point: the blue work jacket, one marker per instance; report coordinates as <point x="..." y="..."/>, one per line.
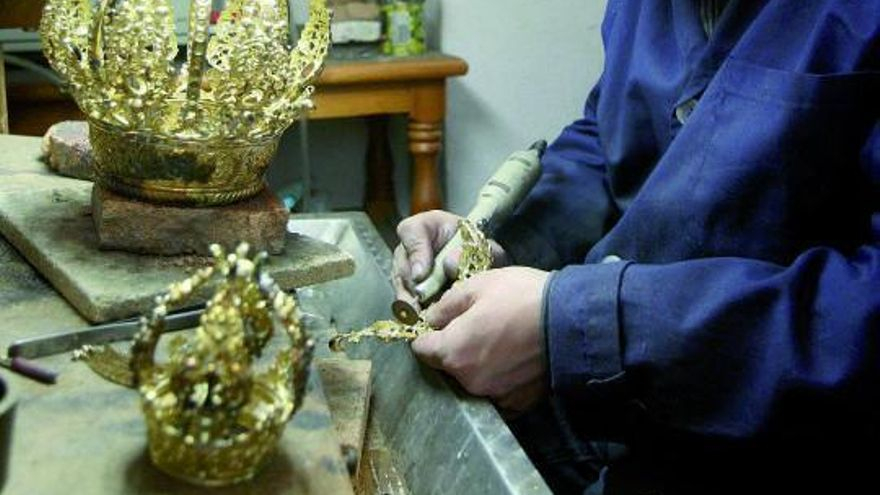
<point x="736" y="177"/>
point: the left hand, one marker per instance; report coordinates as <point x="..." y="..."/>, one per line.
<point x="491" y="339"/>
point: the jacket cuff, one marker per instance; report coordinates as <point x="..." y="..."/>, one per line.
<point x="525" y="247"/>
<point x="583" y="326"/>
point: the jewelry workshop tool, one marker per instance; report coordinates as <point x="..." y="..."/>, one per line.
<point x="496" y="201"/>
<point x="28" y="369"/>
<point x="66" y="341"/>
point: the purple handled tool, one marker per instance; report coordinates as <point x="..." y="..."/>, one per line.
<point x="29" y="369"/>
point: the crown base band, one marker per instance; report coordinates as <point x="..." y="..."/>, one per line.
<point x="158" y="169"/>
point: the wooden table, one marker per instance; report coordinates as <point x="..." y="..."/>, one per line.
<point x="376" y="87"/>
<point x="372" y="87"/>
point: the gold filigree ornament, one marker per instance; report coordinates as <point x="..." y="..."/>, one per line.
<point x="476" y="258"/>
<point x="216" y="408"/>
<point x="201" y="132"/>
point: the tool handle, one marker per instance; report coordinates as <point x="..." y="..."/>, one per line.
<point x="507" y="187"/>
<point x="33" y="370"/>
<point x="497" y="200"/>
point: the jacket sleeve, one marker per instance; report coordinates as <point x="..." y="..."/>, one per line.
<point x="571" y="206"/>
<point x="568" y="209"/>
<point x="728" y="347"/>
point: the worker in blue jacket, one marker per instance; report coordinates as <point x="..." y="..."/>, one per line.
<point x="696" y="274"/>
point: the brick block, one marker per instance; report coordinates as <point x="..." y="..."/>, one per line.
<point x="136" y="226"/>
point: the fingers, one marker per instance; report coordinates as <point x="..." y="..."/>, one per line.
<point x="453" y="303"/>
<point x="491" y="341"/>
<point x="450" y="264"/>
<point x="435" y="348"/>
<point x="430" y="349"/>
<point x="415" y="239"/>
<point x="500" y="258"/>
<point x="421" y="236"/>
<point x="401" y="279"/>
<point x="449" y="349"/>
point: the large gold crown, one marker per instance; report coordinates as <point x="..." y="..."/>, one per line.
<point x="217" y="407"/>
<point x="200" y="132"/>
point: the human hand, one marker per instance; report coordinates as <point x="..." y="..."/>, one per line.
<point x="421" y="237"/>
<point x="491" y="339"/>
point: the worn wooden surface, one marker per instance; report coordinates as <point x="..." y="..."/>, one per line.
<point x="54" y="231"/>
<point x="392" y="69"/>
<point x="347" y="387"/>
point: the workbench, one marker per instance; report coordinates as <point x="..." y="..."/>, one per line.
<point x="84" y="435"/>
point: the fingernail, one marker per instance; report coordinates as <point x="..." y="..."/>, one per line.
<point x="417" y="269"/>
<point x="430" y="316"/>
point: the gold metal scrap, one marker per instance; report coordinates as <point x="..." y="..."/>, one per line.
<point x="476" y="252"/>
<point x="476" y="257"/>
<point x="201" y="131"/>
<point x="214" y="412"/>
<point x="385" y="330"/>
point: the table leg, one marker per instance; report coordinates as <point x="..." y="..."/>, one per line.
<point x="425" y="141"/>
<point x="424" y="144"/>
<point x="379" y="194"/>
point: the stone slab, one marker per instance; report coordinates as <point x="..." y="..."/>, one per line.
<point x="21" y="155"/>
<point x="51" y="226"/>
<point x="174" y="230"/>
<point x="67" y="150"/>
<point x="347" y="387"/>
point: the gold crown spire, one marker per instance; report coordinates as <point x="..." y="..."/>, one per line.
<point x="202" y="131"/>
<point x="241" y="78"/>
<point x="215" y="410"/>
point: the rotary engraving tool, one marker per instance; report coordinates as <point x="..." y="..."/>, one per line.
<point x="496" y="201"/>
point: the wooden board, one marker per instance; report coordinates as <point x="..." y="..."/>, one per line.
<point x="347" y="387"/>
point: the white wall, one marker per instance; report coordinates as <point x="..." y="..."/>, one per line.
<point x="532" y="63"/>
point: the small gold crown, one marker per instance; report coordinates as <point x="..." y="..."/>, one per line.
<point x="198" y="133"/>
<point x="215" y="410"/>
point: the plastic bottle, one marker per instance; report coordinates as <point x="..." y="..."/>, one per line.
<point x="404" y="27"/>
